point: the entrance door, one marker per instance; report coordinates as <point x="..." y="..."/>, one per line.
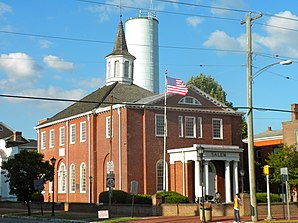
<point x="212" y="180"/>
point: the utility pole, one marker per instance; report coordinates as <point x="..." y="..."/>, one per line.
<point x="251" y="160"/>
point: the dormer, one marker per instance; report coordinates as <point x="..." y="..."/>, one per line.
<point x="119" y="63"/>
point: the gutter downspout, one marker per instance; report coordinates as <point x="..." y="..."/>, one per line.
<point x="89" y="157"/>
<point x="119" y="149"/>
<point x="67" y="165"/>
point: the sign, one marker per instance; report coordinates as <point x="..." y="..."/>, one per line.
<point x="110" y="166"/>
<point x="110" y="180"/>
<point x="284" y="171"/>
<point x="134" y="187"/>
<point x="266" y="170"/>
<point x="103" y="214"/>
<point x="38" y="185"/>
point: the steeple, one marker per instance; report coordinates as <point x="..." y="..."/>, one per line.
<point x="119" y="66"/>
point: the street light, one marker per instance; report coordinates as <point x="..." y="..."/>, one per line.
<point x="53" y="161"/>
<point x="242" y="172"/>
<point x="200" y="153"/>
<point x="250" y="137"/>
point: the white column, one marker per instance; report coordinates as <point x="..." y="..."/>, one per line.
<point x="197" y="179"/>
<point x="228" y="181"/>
<point x="235" y="177"/>
<point x="206" y="177"/>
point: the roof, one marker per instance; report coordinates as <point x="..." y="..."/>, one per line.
<point x="269" y="134"/>
<point x="120" y="46"/>
<point x="101" y="98"/>
<point x="268" y="138"/>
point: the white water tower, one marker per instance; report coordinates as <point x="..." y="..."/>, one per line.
<point x="142" y="42"/>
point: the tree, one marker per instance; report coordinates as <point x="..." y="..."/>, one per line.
<point x="22" y="170"/>
<point x="210" y="86"/>
<point x="285" y="157"/>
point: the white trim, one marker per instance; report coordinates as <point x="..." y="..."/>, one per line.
<point x="194" y="127"/>
<point x="52" y="138"/>
<point x="60" y="136"/>
<point x="43" y="140"/>
<point x="72" y="135"/>
<point x="83" y="139"/>
<point x="221" y="128"/>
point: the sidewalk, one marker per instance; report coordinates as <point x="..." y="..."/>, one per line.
<point x="78" y="217"/>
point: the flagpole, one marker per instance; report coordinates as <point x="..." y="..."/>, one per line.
<point x="165" y="136"/>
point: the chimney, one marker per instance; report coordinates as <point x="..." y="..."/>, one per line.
<point x="42" y="120"/>
<point x="294" y="109"/>
<point x="16" y="135"/>
<point x="269" y="129"/>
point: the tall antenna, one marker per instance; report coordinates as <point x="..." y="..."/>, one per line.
<point x="120" y="9"/>
<point x="150" y="9"/>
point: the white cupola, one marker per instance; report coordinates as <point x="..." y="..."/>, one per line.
<point x="119" y="63"/>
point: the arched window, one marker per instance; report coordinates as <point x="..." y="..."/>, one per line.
<point x="83" y="178"/>
<point x="72" y="180"/>
<point x="189" y="101"/>
<point x="159" y="175"/>
<point x="126" y="69"/>
<point x="62" y="179"/>
<point x="117" y="69"/>
<point x="109" y="69"/>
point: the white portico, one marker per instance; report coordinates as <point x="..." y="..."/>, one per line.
<point x="219" y="162"/>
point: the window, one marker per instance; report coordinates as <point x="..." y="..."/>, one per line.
<point x="50" y="186"/>
<point x="83" y="131"/>
<point x="259" y="156"/>
<point x="62" y="136"/>
<point x="159" y="125"/>
<point x="190" y="127"/>
<point x="43" y="140"/>
<point x="260" y="185"/>
<point x="159" y="175"/>
<point x="72" y="180"/>
<point x="180" y="126"/>
<point x="83" y="178"/>
<point x="117" y="69"/>
<point x="52" y="135"/>
<point x="189" y="101"/>
<point x="217" y="128"/>
<point x="108" y="127"/>
<point x="109" y="69"/>
<point x="126" y="68"/>
<point x="200" y="129"/>
<point x="62" y="179"/>
<point x="72" y="134"/>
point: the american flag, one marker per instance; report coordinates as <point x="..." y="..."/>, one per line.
<point x="176" y="86"/>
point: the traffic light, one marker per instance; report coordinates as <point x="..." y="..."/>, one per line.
<point x="266" y="170"/>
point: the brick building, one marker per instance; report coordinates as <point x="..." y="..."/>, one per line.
<point x="268" y="142"/>
<point x="124" y="123"/>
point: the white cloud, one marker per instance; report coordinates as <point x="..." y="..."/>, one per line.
<point x="220" y="40"/>
<point x="53" y="92"/>
<point x="57" y="63"/>
<point x="18" y="66"/>
<point x="4" y="9"/>
<point x="92" y="83"/>
<point x="105" y="12"/>
<point x="45" y="44"/>
<point x="281" y="39"/>
<point x="194" y="21"/>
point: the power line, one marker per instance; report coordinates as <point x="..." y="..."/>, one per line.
<point x="125" y="103"/>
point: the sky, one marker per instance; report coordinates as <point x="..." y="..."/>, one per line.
<point x="56" y="49"/>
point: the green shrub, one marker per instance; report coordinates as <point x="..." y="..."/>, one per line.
<point x="122" y="197"/>
<point x="140" y="199"/>
<point x="36" y="196"/>
<point x="118" y="197"/>
<point x="173" y="197"/>
<point x="262" y="197"/>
